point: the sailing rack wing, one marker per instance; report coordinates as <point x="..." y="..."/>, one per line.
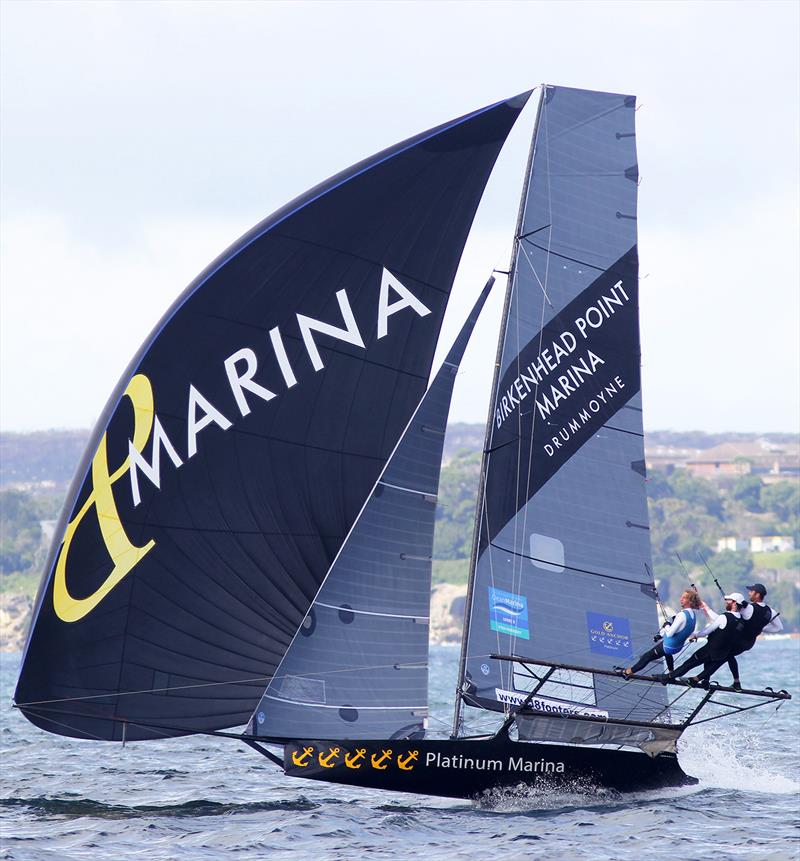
<point x="540" y="717"/>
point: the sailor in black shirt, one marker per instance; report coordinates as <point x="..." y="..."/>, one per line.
<point x="722" y="633"/>
<point x="757" y="618"/>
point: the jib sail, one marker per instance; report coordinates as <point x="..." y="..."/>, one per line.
<point x="358" y="666"/>
<point x="242" y="441"/>
<point x="562" y="567"/>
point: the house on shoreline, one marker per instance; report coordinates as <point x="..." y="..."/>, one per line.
<point x="771" y="462"/>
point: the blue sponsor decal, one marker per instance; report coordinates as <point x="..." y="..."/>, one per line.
<point x="609" y="635"/>
<point x="508" y="613"/>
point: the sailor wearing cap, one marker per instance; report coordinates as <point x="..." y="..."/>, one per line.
<point x="757" y="618"/>
<point x="722" y="633"/>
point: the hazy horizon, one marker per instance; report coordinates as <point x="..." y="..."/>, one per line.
<point x="653" y="430"/>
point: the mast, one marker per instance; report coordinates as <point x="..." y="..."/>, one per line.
<point x="492" y="398"/>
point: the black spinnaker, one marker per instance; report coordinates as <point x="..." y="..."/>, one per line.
<point x="242" y="441"/>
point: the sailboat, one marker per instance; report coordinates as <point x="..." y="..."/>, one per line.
<point x="248" y="539"/>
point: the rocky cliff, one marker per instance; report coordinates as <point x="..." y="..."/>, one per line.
<point x="15" y="614"/>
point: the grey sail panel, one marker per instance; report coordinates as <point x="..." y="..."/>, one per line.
<point x="563" y="565"/>
<point x="358" y="666"/>
<point x="603" y="524"/>
<point x="352" y="675"/>
<point x="584" y="173"/>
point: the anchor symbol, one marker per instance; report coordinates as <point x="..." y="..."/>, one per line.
<point x="301" y="759"/>
<point x="377" y="760"/>
<point x="325" y="761"/>
<point x="406" y="762"/>
<point x="351" y="760"/>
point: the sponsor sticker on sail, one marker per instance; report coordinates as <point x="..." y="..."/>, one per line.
<point x="508" y="613"/>
<point x="609" y="635"/>
<point x="545" y="704"/>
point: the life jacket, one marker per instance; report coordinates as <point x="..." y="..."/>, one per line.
<point x="722" y="640"/>
<point x="757" y="622"/>
<point x="673" y="645"/>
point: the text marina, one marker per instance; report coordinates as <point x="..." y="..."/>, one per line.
<point x="514" y="763"/>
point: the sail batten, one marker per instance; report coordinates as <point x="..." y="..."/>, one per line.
<point x="542" y="561"/>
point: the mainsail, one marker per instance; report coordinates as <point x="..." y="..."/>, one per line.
<point x="241" y="443"/>
<point x="358" y="666"/>
<point x="561" y="568"/>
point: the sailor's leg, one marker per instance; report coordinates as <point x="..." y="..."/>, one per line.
<point x="670" y="661"/>
<point x="709" y="668"/>
<point x="733" y="666"/>
<point x="699" y="657"/>
<point x="648" y="657"/>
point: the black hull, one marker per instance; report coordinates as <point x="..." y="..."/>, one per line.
<point x="464" y="768"/>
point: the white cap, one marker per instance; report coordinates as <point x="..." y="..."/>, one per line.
<point x="735" y="596"/>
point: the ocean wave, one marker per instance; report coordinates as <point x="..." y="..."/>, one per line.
<point x="69" y="807"/>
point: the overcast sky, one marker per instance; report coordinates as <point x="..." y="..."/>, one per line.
<point x="140" y="139"/>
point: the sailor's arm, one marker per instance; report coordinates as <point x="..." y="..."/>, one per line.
<point x="773" y="626"/>
<point x="708" y="611"/>
<point x="718" y="624"/>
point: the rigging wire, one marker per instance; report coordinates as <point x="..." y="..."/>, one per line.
<point x="722" y="591"/>
<point x="260" y="679"/>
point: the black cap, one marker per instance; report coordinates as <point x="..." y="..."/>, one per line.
<point x="760" y="588"/>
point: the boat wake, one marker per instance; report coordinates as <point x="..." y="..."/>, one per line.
<point x="80" y="807"/>
<point x="731" y="758"/>
<point x="546" y="795"/>
<point x="577" y="794"/>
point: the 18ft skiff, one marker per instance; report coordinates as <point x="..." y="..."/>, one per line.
<point x="248" y="539"/>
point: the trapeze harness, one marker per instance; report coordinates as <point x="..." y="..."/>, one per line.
<point x="673" y="643"/>
<point x="761" y="617"/>
<point x="721" y="640"/>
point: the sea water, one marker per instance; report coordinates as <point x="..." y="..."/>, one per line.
<point x="203" y="798"/>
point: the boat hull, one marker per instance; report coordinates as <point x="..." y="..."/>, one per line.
<point x="467" y="768"/>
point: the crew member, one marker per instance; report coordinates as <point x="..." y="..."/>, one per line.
<point x="673" y="634"/>
<point x="757" y="618"/>
<point x="721" y="633"/>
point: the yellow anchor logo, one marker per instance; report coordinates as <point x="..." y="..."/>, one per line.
<point x="378" y="761"/>
<point x="351" y="760"/>
<point x="407" y="762"/>
<point x="327" y="760"/>
<point x="301" y="759"/>
<point x="123" y="553"/>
